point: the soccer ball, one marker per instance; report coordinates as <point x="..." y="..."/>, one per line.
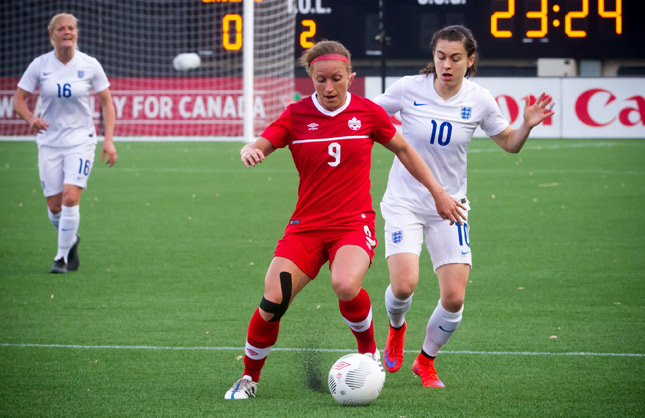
<point x="356" y="379"/>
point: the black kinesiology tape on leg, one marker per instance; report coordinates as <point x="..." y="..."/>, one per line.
<point x="278" y="309"/>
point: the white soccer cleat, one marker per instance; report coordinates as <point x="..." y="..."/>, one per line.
<point x="244" y="388"/>
<point x="377" y="358"/>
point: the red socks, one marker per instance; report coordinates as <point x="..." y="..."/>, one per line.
<point x="262" y="335"/>
<point x="259" y="340"/>
<point x="357" y="313"/>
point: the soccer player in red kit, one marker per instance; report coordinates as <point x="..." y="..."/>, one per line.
<point x="330" y="135"/>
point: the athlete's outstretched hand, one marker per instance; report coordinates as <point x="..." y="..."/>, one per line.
<point x="36" y="124"/>
<point x="540" y="110"/>
<point x="251" y="156"/>
<point x="108" y="150"/>
<point x="448" y="208"/>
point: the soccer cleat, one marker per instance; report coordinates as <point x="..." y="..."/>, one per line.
<point x="424" y="368"/>
<point x="59" y="266"/>
<point x="244" y="388"/>
<point x="72" y="258"/>
<point x="376" y="356"/>
<point x="393" y="353"/>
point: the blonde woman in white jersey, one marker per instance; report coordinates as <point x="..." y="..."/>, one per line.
<point x="66" y="135"/>
<point x="440" y="110"/>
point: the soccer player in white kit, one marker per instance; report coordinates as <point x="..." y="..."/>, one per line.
<point x="440" y="110"/>
<point x="66" y="135"/>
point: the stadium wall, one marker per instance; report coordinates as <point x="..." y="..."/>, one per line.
<point x="586" y="107"/>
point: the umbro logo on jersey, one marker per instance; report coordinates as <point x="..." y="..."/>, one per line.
<point x="466" y="112"/>
<point x="313" y="126"/>
<point x="354" y="124"/>
<point x="46" y="74"/>
<point x="420" y="104"/>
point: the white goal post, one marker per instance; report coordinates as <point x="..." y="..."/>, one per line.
<point x="176" y="67"/>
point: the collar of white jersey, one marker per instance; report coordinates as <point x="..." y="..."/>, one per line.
<point x="60" y="63"/>
<point x="314" y="98"/>
<point x="433" y="90"/>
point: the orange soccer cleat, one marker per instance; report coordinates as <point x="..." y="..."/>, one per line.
<point x="393" y="353"/>
<point x="424" y="368"/>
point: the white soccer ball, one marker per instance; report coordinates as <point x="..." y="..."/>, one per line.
<point x="356" y="379"/>
<point x="187" y="61"/>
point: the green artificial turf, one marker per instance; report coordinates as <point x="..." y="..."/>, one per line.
<point x="177" y="237"/>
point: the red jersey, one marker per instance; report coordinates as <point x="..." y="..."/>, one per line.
<point x="332" y="152"/>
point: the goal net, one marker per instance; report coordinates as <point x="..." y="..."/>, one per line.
<point x="175" y="66"/>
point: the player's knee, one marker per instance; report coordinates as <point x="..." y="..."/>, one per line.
<point x="403" y="289"/>
<point x="279" y="309"/>
<point x="55" y="208"/>
<point x="71" y="200"/>
<point x="452" y="303"/>
<point x="346" y="290"/>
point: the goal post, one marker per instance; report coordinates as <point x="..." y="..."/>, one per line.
<point x="176" y="67"/>
<point x="249" y="133"/>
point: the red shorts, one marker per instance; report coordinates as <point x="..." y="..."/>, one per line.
<point x="311" y="249"/>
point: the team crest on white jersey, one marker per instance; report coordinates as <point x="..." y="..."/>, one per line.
<point x="354" y="124"/>
<point x="466" y="112"/>
<point x="313" y="126"/>
<point x="81" y="73"/>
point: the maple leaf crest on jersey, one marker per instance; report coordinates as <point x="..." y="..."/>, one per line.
<point x="354" y="124"/>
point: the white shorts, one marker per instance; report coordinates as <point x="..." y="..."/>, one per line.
<point x="405" y="230"/>
<point x="64" y="165"/>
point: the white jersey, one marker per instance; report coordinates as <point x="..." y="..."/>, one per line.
<point x="65" y="96"/>
<point x="440" y="131"/>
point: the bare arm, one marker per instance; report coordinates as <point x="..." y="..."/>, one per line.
<point x="254" y="153"/>
<point x="36" y="124"/>
<point x="447" y="207"/>
<point x="512" y="140"/>
<point x="107" y="107"/>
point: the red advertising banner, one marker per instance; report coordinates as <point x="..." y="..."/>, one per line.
<point x="176" y="106"/>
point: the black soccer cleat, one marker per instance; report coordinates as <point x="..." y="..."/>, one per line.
<point x="72" y="258"/>
<point x="59" y="266"/>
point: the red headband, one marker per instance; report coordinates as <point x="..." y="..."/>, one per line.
<point x="331" y="57"/>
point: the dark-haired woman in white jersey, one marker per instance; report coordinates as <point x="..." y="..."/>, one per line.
<point x="440" y="109"/>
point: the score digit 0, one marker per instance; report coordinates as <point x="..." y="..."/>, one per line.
<point x="226" y="41"/>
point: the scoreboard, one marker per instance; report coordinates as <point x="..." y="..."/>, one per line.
<point x="504" y="29"/>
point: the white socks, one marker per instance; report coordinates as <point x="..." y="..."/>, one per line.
<point x="440" y="328"/>
<point x="396" y="308"/>
<point x="70" y="218"/>
<point x="54" y="219"/>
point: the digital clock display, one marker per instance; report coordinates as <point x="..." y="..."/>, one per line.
<point x="504" y="29"/>
<point x="593" y="29"/>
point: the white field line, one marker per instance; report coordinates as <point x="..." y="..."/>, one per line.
<point x="323" y="350"/>
<point x="265" y="170"/>
<point x="535" y="146"/>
